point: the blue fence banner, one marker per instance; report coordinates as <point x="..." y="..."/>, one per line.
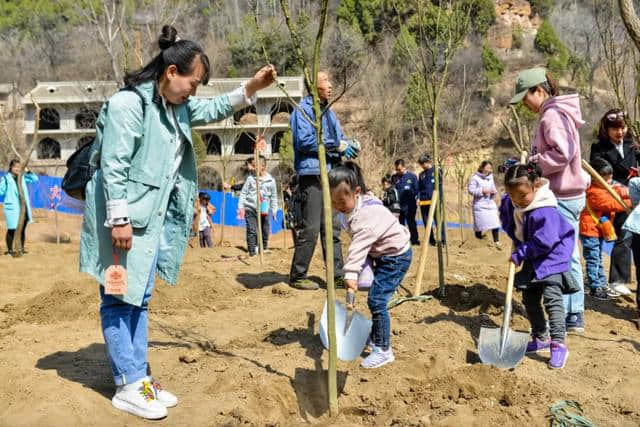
<point x="47" y="192"/>
<point x="43" y="193"/>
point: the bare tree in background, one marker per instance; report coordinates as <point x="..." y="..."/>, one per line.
<point x="437" y="32"/>
<point x="620" y="57"/>
<point x="107" y="18"/>
<point x="577" y="27"/>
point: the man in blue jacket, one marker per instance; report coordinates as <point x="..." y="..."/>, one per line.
<point x="307" y="167"/>
<point x="426" y="185"/>
<point x="407" y="185"/>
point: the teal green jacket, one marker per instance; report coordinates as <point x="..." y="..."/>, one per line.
<point x="135" y="153"/>
<point x="9" y="190"/>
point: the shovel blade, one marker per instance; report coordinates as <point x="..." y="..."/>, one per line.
<point x="505" y="356"/>
<point x="350" y="340"/>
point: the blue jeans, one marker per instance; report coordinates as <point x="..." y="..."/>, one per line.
<point x="570" y="210"/>
<point x="125" y="329"/>
<point x="388" y="272"/>
<point x="592" y="252"/>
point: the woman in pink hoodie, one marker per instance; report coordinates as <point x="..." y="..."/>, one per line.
<point x="556" y="149"/>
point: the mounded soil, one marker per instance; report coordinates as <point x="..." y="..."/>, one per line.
<point x="238" y="346"/>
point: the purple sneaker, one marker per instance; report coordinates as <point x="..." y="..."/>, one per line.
<point x="559" y="355"/>
<point x="536" y="345"/>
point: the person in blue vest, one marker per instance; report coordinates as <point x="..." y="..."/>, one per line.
<point x="307" y="166"/>
<point x="426" y="185"/>
<point x="406" y="183"/>
<point x="9" y="189"/>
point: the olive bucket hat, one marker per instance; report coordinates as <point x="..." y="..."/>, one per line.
<point x="526" y="80"/>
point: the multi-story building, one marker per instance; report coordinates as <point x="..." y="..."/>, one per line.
<point x="68" y="112"/>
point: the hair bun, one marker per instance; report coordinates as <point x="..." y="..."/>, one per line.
<point x="168" y="37"/>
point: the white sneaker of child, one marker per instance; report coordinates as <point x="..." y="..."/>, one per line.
<point x="377" y="358"/>
<point x="621" y="288"/>
<point x="168" y="399"/>
<point x="139" y="399"/>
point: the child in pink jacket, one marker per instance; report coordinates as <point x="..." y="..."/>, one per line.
<point x="375" y="232"/>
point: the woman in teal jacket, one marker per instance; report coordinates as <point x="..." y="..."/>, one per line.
<point x="9" y="189"/>
<point x="140" y="200"/>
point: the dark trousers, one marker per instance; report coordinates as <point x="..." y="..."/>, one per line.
<point x="11" y="236"/>
<point x="551" y="296"/>
<point x="251" y="218"/>
<point x="495" y="233"/>
<point x="424" y="210"/>
<point x="388" y="272"/>
<point x="620" y="270"/>
<point x="206" y="238"/>
<point x="635" y="247"/>
<point x="312" y="224"/>
<point x="408" y="218"/>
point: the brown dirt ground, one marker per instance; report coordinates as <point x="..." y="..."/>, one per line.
<point x="258" y="358"/>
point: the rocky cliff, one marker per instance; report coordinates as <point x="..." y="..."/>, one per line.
<point x="511" y="16"/>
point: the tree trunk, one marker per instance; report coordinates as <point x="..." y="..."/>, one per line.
<point x="630" y="20"/>
<point x="439" y="225"/>
<point x="461" y="209"/>
<point x="55" y="214"/>
<point x="224" y="197"/>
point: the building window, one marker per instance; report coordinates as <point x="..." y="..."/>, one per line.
<point x="48" y="149"/>
<point x="245" y="143"/>
<point x="214" y="145"/>
<point x="275" y="142"/>
<point x="86" y="118"/>
<point x="84" y="141"/>
<point x="246" y="116"/>
<point x="280" y="113"/>
<point x="49" y="119"/>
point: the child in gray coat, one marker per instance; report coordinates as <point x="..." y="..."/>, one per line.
<point x="248" y="210"/>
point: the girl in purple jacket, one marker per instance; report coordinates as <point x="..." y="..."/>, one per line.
<point x="543" y="242"/>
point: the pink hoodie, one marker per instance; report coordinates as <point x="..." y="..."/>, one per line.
<point x="374" y="231"/>
<point x="556" y="147"/>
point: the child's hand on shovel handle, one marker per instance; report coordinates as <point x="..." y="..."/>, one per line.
<point x="351" y="284"/>
<point x="351" y="295"/>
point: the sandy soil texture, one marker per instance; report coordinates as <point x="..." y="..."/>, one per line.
<point x="256" y="358"/>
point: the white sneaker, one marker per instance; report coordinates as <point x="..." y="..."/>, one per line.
<point x="139" y="399"/>
<point x="621" y="288"/>
<point x="377" y="358"/>
<point x="610" y="292"/>
<point x="169" y="400"/>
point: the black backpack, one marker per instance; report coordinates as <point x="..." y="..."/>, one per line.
<point x="79" y="168"/>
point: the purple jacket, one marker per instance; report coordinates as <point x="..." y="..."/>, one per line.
<point x="549" y="239"/>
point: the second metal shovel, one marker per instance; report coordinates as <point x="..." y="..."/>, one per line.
<point x="503" y="347"/>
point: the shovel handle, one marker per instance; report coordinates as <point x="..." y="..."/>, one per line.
<point x="512" y="274"/>
<point x="351" y="298"/>
<point x="604" y="184"/>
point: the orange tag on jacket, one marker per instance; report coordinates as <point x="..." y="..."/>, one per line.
<point x="115" y="279"/>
